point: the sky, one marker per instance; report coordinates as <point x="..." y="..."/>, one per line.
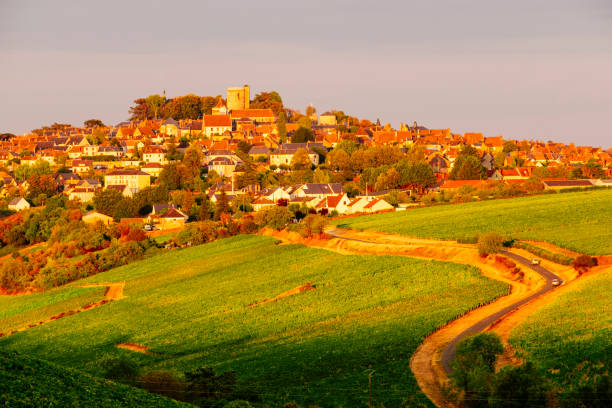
<point x="523" y="69"/>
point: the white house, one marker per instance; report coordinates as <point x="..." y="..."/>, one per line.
<point x="18" y="204"/>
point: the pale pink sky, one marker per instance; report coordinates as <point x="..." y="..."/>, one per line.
<point x="525" y="69"/>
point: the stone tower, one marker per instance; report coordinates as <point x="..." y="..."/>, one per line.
<point x="238" y="98"/>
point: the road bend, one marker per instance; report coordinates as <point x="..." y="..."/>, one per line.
<point x="448" y="354"/>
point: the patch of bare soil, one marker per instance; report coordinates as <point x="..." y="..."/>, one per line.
<point x="137" y="348"/>
<point x="294" y="291"/>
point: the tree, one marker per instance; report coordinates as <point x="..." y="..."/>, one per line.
<point x="519" y="387"/>
<point x="192" y="160"/>
<point x="244" y="146"/>
<point x="301" y="160"/>
<point x="474" y="367"/>
<point x="140" y="110"/>
<point x="305" y="122"/>
<point x="209" y="102"/>
<point x="338" y="160"/>
<point x="268" y="100"/>
<point x="388" y="180"/>
<point x="222" y="205"/>
<point x="282" y="127"/>
<point x="276" y="217"/>
<point x="467" y="168"/>
<point x="592" y="169"/>
<point x="302" y="135"/>
<point x="204" y="213"/>
<point x="540" y="173"/>
<point x="97" y="137"/>
<point x="490" y="243"/>
<point x="41" y="184"/>
<point x="509" y="147"/>
<point x="500" y="160"/>
<point x="107" y="201"/>
<point x="170" y="176"/>
<point x="90" y="123"/>
<point x="348" y="146"/>
<point x="320" y="176"/>
<point x="310" y="110"/>
<point x="154" y="103"/>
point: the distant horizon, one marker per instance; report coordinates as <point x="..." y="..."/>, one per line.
<point x="530" y="70"/>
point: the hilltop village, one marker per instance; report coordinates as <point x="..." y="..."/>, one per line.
<point x="258" y="153"/>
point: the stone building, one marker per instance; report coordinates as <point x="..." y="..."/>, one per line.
<point x="238" y="98"/>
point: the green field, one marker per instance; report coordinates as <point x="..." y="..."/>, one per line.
<point x="581" y="221"/>
<point x="191" y="308"/>
<point x="571" y="338"/>
<point x="27" y="382"/>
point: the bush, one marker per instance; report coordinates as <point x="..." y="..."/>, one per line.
<point x="584" y="261"/>
<point x="543" y="253"/>
<point x="312" y="225"/>
<point x="123" y="370"/>
<point x="238" y="404"/>
<point x="490" y="243"/>
<point x="274" y="217"/>
<point x="163" y="382"/>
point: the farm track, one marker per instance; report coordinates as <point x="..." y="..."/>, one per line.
<point x="431" y="362"/>
<point x="113" y="292"/>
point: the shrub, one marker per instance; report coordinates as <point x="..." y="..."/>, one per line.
<point x="312" y="225"/>
<point x="123" y="369"/>
<point x="274" y="217"/>
<point x="584" y="261"/>
<point x="543" y="253"/>
<point x="163" y="382"/>
<point x="238" y="404"/>
<point x="490" y="243"/>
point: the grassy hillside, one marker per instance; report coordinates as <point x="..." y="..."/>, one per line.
<point x="27" y="382"/>
<point x="571" y="337"/>
<point x="579" y="221"/>
<point x="19" y="311"/>
<point x="191" y="308"/>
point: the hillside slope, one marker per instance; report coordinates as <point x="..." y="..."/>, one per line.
<point x="26" y="382"/>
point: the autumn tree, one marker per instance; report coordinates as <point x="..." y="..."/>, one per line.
<point x="204" y="211"/>
<point x="310" y="110"/>
<point x="268" y="100"/>
<point x="41" y="184"/>
<point x="388" y="180"/>
<point x="301" y="160"/>
<point x="338" y="160"/>
<point x="91" y="123"/>
<point x="208" y="103"/>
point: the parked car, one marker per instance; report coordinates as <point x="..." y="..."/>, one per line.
<point x="148" y="227"/>
<point x="535" y="261"/>
<point x="556" y="282"/>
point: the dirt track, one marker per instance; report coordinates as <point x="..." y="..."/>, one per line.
<point x="426" y="363"/>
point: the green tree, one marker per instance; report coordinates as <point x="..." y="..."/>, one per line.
<point x="90" y="123"/>
<point x="222" y="205"/>
<point x="467" y="167"/>
<point x="500" y="160"/>
<point x="490" y="243"/>
<point x="209" y="102"/>
<point x="107" y="201"/>
<point x="170" y="176"/>
<point x="509" y="147"/>
<point x="154" y="103"/>
<point x="97" y="137"/>
<point x="282" y="126"/>
<point x="204" y="213"/>
<point x="301" y="160"/>
<point x="519" y="387"/>
<point x="302" y="135"/>
<point x="338" y="160"/>
<point x="388" y="180"/>
<point x="274" y="217"/>
<point x="474" y="368"/>
<point x="304" y="122"/>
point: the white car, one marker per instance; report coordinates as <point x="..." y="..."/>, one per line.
<point x="535" y="261"/>
<point x="556" y="282"/>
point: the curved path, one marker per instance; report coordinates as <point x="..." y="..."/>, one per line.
<point x="422" y="357"/>
<point x="449" y="351"/>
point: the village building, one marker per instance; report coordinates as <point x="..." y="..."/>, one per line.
<point x="134" y="180"/>
<point x="18" y="204"/>
<point x="93" y="217"/>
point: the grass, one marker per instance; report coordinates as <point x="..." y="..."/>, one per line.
<point x="191" y="308"/>
<point x="579" y="221"/>
<point x="27" y="382"/>
<point x="570" y="339"/>
<point x="20" y="311"/>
